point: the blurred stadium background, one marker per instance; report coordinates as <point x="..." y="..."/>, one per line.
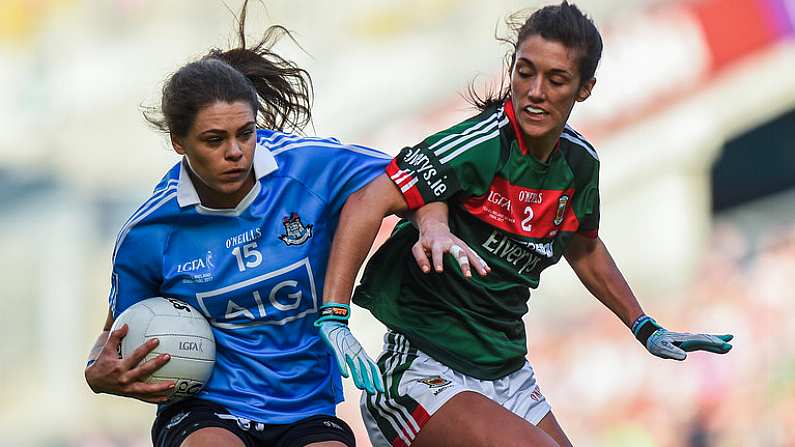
<point x="693" y="115"/>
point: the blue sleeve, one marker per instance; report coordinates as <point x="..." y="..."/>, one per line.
<point x="336" y="173"/>
<point x="137" y="268"/>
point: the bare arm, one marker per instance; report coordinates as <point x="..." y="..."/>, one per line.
<point x="358" y="226"/>
<point x="599" y="273"/>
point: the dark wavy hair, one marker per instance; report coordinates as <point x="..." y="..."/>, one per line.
<point x="280" y="93"/>
<point x="563" y="23"/>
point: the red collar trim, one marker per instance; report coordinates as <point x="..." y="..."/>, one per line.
<point x="516" y="129"/>
<point x="509" y="112"/>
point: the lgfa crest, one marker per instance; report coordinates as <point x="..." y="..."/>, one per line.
<point x="564" y="199"/>
<point x="297" y="232"/>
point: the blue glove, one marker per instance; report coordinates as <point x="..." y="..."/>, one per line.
<point x="333" y="324"/>
<point x="675" y="345"/>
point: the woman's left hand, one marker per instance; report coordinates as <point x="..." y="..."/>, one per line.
<point x="436" y="240"/>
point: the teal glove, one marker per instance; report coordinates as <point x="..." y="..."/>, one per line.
<point x="333" y="325"/>
<point x="675" y="345"/>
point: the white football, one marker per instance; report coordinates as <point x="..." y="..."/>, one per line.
<point x="184" y="334"/>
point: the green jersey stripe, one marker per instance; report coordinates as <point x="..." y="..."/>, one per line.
<point x="472" y="144"/>
<point x="463" y="135"/>
<point x="468" y="135"/>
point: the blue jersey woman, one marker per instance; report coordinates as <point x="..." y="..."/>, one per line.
<point x="241" y="229"/>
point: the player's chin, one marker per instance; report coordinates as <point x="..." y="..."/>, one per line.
<point x="228" y="186"/>
<point x="535" y="130"/>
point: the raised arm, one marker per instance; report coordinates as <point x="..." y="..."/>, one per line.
<point x="596" y="269"/>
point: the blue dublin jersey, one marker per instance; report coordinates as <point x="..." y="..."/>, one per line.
<point x="256" y="271"/>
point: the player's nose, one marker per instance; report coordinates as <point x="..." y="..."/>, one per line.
<point x="535" y="90"/>
<point x="233" y="151"/>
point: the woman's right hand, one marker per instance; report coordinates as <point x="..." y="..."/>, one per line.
<point x="126" y="377"/>
<point x="436" y="239"/>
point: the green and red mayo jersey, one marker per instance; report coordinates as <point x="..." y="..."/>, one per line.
<point x="516" y="212"/>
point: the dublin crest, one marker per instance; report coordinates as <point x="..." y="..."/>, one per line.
<point x="297" y="232"/>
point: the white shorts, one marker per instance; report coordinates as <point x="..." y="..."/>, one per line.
<point x="417" y="387"/>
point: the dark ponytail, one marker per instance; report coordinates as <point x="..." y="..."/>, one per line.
<point x="279" y="92"/>
<point x="563" y="23"/>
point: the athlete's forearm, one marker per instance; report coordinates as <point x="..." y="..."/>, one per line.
<point x="356" y="231"/>
<point x="599" y="273"/>
<point x="358" y="226"/>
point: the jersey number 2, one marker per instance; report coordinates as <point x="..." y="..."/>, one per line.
<point x="526" y="225"/>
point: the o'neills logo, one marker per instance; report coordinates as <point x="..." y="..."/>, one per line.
<point x="564" y="199"/>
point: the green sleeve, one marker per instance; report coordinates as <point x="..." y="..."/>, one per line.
<point x="461" y="159"/>
<point x="589" y="225"/>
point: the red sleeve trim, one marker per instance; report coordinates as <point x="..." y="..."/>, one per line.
<point x="392" y="169"/>
<point x="402" y="180"/>
<point x="414" y="198"/>
<point x="591" y="234"/>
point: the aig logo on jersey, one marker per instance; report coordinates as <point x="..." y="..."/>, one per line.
<point x="297" y="232"/>
<point x="275" y="298"/>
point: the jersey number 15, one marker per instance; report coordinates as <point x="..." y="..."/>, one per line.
<point x="250" y="257"/>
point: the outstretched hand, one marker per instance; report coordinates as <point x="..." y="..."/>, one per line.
<point x="436" y="240"/>
<point x="675" y="345"/>
<point x="126" y="377"/>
